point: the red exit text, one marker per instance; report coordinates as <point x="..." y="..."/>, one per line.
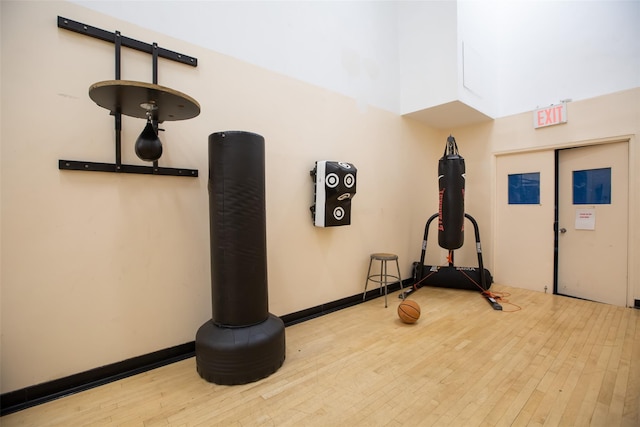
<point x="549" y="116"/>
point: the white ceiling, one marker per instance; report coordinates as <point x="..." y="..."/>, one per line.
<point x="449" y="116"/>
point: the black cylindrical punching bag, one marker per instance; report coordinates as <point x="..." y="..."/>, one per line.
<point x="451" y="206"/>
<point x="238" y="228"/>
<point x="242" y="342"/>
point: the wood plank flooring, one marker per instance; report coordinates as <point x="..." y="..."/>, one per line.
<point x="556" y="361"/>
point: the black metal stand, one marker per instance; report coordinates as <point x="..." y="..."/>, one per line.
<point x="155" y="51"/>
<point x="419" y="273"/>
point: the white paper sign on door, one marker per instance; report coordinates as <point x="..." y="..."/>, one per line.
<point x="585" y="219"/>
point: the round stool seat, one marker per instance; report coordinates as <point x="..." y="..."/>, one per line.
<point x="384" y="256"/>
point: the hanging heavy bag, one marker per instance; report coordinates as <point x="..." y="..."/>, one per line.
<point x="451" y="188"/>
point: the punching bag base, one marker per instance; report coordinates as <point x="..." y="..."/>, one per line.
<point x="240" y="355"/>
<point x="467" y="278"/>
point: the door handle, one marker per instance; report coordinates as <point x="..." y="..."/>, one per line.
<point x="563" y="230"/>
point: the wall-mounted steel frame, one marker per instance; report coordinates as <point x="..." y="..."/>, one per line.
<point x="156" y="52"/>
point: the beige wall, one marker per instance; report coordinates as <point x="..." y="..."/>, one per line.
<point x="606" y="119"/>
<point x="523" y="257"/>
<point x="98" y="268"/>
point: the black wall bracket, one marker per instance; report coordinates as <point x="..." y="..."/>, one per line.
<point x="156" y="52"/>
<point x="75" y="165"/>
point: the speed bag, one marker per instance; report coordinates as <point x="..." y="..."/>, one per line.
<point x="451" y="192"/>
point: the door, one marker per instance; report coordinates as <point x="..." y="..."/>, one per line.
<point x="592" y="225"/>
<point x="524" y="225"/>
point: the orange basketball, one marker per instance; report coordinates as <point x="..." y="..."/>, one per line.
<point x="409" y="311"/>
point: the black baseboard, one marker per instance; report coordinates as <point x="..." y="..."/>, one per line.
<point x="18" y="400"/>
<point x="330" y="307"/>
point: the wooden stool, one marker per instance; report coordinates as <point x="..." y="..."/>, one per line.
<point x="383" y="277"/>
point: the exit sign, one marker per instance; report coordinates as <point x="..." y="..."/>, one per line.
<point x="549" y="116"/>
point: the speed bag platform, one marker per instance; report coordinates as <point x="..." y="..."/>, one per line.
<point x="467" y="278"/>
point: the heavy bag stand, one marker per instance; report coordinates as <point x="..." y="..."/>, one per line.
<point x="451" y="177"/>
<point x="450" y="276"/>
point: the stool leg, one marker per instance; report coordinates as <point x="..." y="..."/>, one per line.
<point x="381" y="276"/>
<point x="364" y="294"/>
<point x="400" y="278"/>
<point x="385" y="282"/>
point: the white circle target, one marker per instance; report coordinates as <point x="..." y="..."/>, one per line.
<point x="349" y="180"/>
<point x="338" y="213"/>
<point x="332" y="180"/>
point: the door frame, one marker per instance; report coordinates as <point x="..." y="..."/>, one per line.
<point x="630" y="224"/>
<point x="633" y="249"/>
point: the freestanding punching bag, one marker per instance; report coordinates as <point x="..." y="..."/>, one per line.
<point x="451" y="187"/>
<point x="242" y="342"/>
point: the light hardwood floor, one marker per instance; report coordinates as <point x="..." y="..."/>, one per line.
<point x="556" y="362"/>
